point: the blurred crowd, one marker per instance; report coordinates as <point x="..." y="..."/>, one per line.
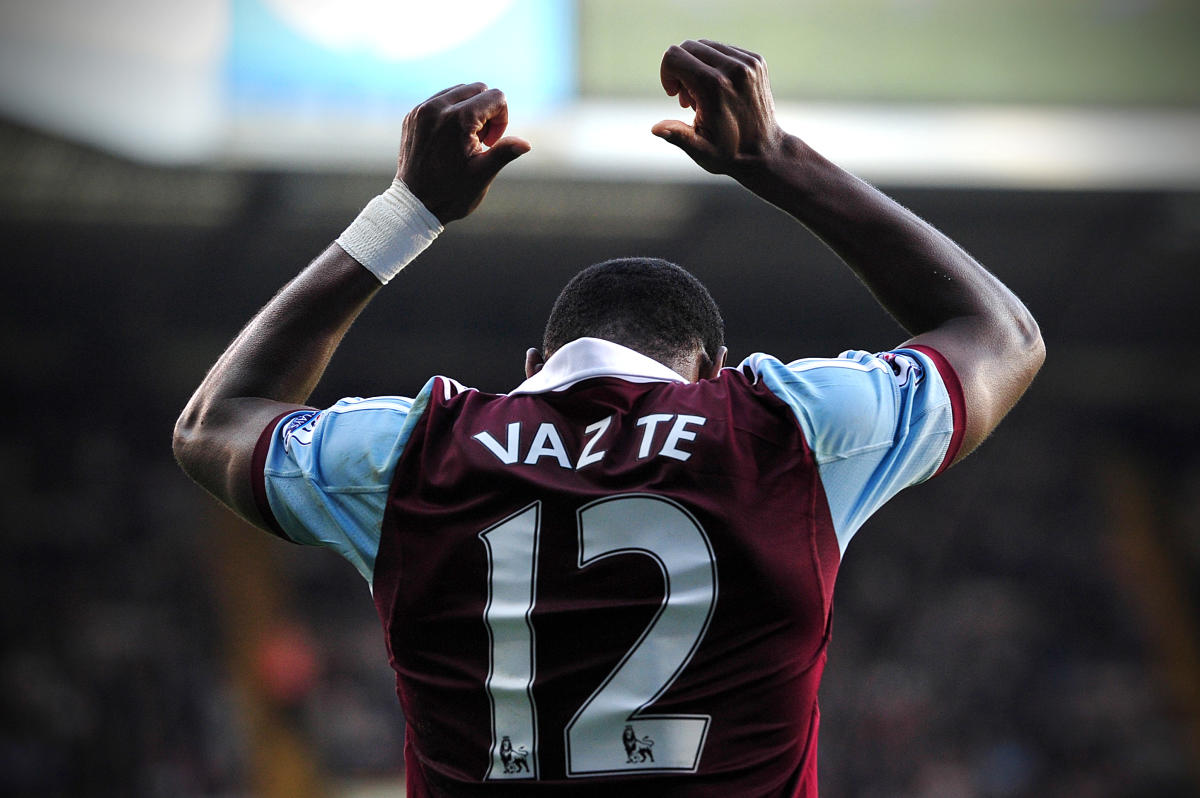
<point x="991" y="645"/>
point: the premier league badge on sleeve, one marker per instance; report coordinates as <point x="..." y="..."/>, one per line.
<point x="299" y="429"/>
<point x="904" y="367"/>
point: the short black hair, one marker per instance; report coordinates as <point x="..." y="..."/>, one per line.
<point x="647" y="304"/>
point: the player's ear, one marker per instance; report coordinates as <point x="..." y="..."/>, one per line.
<point x="709" y="368"/>
<point x="533" y="361"/>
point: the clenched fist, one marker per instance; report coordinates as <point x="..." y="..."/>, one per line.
<point x="453" y="146"/>
<point x="727" y="86"/>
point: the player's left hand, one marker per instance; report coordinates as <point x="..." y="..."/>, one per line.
<point x="727" y="86"/>
<point x="454" y="146"/>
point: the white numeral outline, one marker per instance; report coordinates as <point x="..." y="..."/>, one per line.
<point x="644" y="524"/>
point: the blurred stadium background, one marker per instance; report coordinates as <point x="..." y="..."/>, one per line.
<point x="1027" y="625"/>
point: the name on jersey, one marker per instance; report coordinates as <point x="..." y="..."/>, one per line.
<point x="661" y="435"/>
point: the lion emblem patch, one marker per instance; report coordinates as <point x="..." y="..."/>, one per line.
<point x="637" y="749"/>
<point x="514" y="759"/>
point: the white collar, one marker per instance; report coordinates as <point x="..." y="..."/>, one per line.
<point x="594" y="357"/>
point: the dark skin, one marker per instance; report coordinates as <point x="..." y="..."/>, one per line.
<point x="934" y="289"/>
<point x="453" y="146"/>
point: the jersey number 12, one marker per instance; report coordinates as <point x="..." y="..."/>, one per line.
<point x="600" y="738"/>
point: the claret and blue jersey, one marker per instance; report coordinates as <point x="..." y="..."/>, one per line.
<point x="612" y="578"/>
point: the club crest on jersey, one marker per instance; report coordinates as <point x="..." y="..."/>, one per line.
<point x="637" y="749"/>
<point x="513" y="759"/>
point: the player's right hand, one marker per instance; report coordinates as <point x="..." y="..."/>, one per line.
<point x="727" y="86"/>
<point x="453" y="146"/>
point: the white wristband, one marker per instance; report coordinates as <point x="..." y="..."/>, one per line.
<point x="392" y="230"/>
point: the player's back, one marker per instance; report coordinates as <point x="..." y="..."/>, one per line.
<point x="618" y="584"/>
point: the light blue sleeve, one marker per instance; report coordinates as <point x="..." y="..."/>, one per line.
<point x="876" y="423"/>
<point x="328" y="472"/>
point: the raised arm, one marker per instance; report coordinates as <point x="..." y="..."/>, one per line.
<point x="451" y="150"/>
<point x="934" y="289"/>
